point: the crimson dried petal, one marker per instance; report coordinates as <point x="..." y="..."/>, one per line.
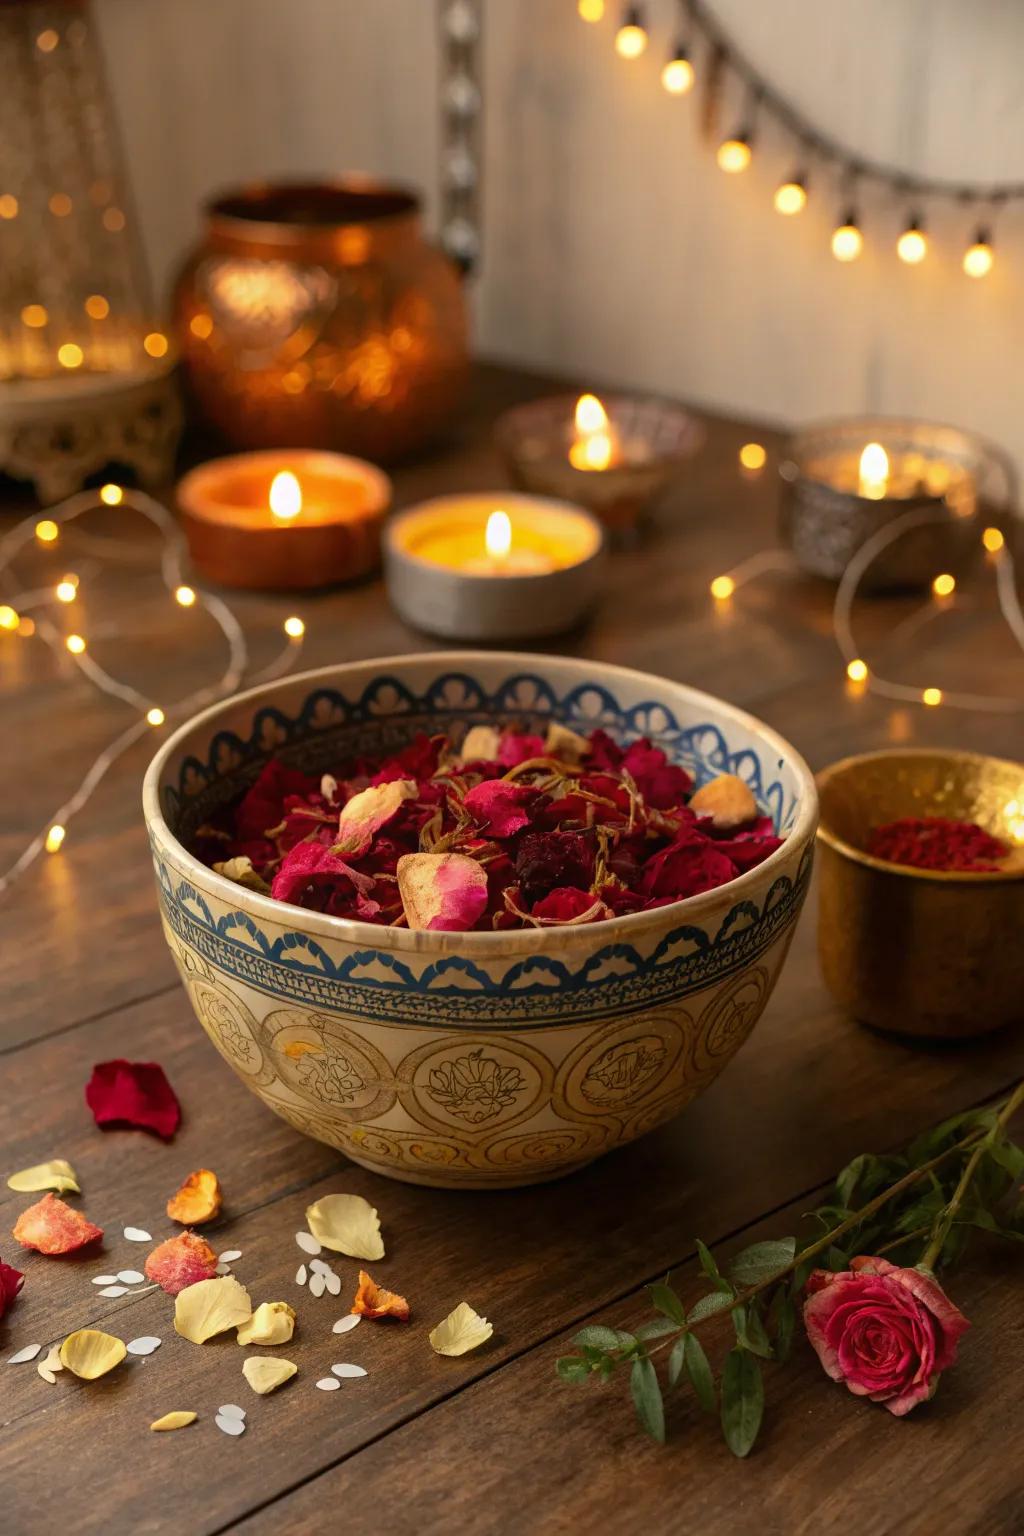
<point x="501" y="809"/>
<point x="11" y="1282"/>
<point x="548" y="859"/>
<point x="442" y="891"/>
<point x="417" y="761"/>
<point x="515" y="748"/>
<point x="263" y="804"/>
<point x="752" y="846"/>
<point x="312" y="864"/>
<point x="686" y="869"/>
<point x="662" y="784"/>
<point x="567" y="904"/>
<point x="53" y="1227"/>
<point x="604" y="753"/>
<point x="133" y="1095"/>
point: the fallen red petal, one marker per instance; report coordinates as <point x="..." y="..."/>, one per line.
<point x="133" y="1095"/>
<point x="53" y="1228"/>
<point x="11" y="1282"/>
<point x="181" y="1261"/>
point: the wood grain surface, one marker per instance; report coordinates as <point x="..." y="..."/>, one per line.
<point x="491" y="1442"/>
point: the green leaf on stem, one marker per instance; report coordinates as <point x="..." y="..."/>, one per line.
<point x="781" y="1322"/>
<point x="750" y="1332"/>
<point x="761" y="1261"/>
<point x="596" y="1337"/>
<point x="708" y="1265"/>
<point x="664" y="1299"/>
<point x="707" y="1306"/>
<point x="646" y="1393"/>
<point x="1010" y="1157"/>
<point x="656" y="1328"/>
<point x="698" y="1369"/>
<point x="742" y="1401"/>
<point x="572" y="1368"/>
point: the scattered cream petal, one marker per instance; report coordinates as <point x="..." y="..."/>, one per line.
<point x="333" y="1283"/>
<point x="317" y="1285"/>
<point x="22" y="1355"/>
<point x="347" y="1224"/>
<point x="89" y="1353"/>
<point x="144" y="1345"/>
<point x="346" y="1324"/>
<point x="56" y="1175"/>
<point x="104" y="1279"/>
<point x="461" y="1331"/>
<point x="265" y="1374"/>
<point x="137" y="1235"/>
<point x="230" y="1426"/>
<point x="114" y="1290"/>
<point x="329" y="1384"/>
<point x="319" y="1267"/>
<point x="231" y="1411"/>
<point x="300" y="1275"/>
<point x="48" y="1367"/>
<point x="210" y="1307"/>
<point x="229" y="1255"/>
<point x="273" y="1322"/>
<point x="307" y="1242"/>
<point x="348" y="1370"/>
<point x="131" y="1277"/>
<point x="222" y="1268"/>
<point x="176" y="1420"/>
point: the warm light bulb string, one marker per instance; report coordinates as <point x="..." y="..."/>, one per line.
<point x="171" y="569"/>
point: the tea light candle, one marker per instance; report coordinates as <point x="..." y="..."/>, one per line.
<point x="594" y="446"/>
<point x="284" y="519"/>
<point x="499" y="566"/>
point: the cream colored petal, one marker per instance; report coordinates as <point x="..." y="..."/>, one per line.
<point x="175" y="1420"/>
<point x="347" y="1224"/>
<point x="461" y="1331"/>
<point x="565" y="744"/>
<point x="273" y="1322"/>
<point x="265" y="1375"/>
<point x="90" y="1353"/>
<point x="481" y="743"/>
<point x="210" y="1307"/>
<point x="56" y="1174"/>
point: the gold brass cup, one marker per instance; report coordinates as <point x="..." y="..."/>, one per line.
<point x="932" y="953"/>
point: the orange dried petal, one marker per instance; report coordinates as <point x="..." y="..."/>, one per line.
<point x="181" y="1261"/>
<point x="198" y="1199"/>
<point x="372" y="1301"/>
<point x="52" y="1227"/>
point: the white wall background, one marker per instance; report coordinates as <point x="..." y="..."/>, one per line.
<point x="614" y="247"/>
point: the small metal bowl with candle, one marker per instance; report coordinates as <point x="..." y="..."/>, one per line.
<point x="614" y="456"/>
<point x="284" y="519"/>
<point x="922" y="951"/>
<point x="848" y="482"/>
<point x="494" y="566"/>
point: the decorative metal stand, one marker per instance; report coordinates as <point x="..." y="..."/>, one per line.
<point x="85" y="376"/>
<point x="462" y="120"/>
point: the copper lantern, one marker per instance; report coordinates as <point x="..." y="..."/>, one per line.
<point x="317" y="316"/>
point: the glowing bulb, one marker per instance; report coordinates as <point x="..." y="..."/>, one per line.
<point x="75" y="644"/>
<point x="46" y="530"/>
<point x="791" y="196"/>
<point x="155" y="716"/>
<point x="285" y="496"/>
<point x="55" y="837"/>
<point x="847" y="240"/>
<point x="753" y="456"/>
<point x="201" y="326"/>
<point x="631" y="39"/>
<point x="912" y="245"/>
<point x="27" y="627"/>
<point x="8" y="206"/>
<point x="155" y="344"/>
<point x="70" y="355"/>
<point x="9" y="617"/>
<point x="677" y="76"/>
<point x="932" y="697"/>
<point x="47" y="40"/>
<point x="34" y="316"/>
<point x="60" y="205"/>
<point x="185" y="596"/>
<point x="722" y="587"/>
<point x="857" y="671"/>
<point x="734" y="154"/>
<point x="97" y="307"/>
<point x="113" y="220"/>
<point x="978" y="258"/>
<point x="590" y="10"/>
<point x="111" y="495"/>
<point x="943" y="585"/>
<point x="294" y="627"/>
<point x="993" y="540"/>
<point x="498" y="535"/>
<point x="66" y="589"/>
<point x="873" y="472"/>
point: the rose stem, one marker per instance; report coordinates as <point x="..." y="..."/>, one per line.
<point x="945" y="1218"/>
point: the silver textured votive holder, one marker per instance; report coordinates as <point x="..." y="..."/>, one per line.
<point x="441" y="580"/>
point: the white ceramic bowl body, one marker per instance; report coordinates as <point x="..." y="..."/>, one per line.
<point x="483" y="1059"/>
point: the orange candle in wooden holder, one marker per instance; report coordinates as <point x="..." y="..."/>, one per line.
<point x="284" y="519"/>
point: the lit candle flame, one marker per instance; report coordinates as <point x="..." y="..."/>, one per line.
<point x="498" y="535"/>
<point x="593" y="446"/>
<point x="874" y="472"/>
<point x="591" y="415"/>
<point x="285" y="497"/>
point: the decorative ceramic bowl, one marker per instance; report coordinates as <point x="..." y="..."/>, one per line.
<point x="473" y="1060"/>
<point x="921" y="951"/>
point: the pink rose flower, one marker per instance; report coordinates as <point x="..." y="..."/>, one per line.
<point x="887" y="1333"/>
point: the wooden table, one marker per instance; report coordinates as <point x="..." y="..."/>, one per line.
<point x="491" y="1443"/>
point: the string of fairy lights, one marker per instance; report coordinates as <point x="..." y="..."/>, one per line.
<point x="861" y="677"/>
<point x="28" y="615"/>
<point x="701" y="51"/>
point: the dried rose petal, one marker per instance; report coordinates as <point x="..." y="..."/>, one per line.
<point x="262" y="807"/>
<point x="371" y="1301"/>
<point x="368" y="811"/>
<point x="210" y="1307"/>
<point x="312" y="865"/>
<point x="52" y="1227"/>
<point x="684" y="869"/>
<point x="481" y="744"/>
<point x="11" y="1282"/>
<point x="198" y="1199"/>
<point x="90" y="1353"/>
<point x="516" y="748"/>
<point x="181" y="1261"/>
<point x="134" y="1095"/>
<point x="462" y="1330"/>
<point x="565" y="904"/>
<point x="442" y="891"/>
<point x="727" y="800"/>
<point x="502" y="809"/>
<point x="545" y="860"/>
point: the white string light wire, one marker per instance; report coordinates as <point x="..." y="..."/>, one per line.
<point x="151" y="714"/>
